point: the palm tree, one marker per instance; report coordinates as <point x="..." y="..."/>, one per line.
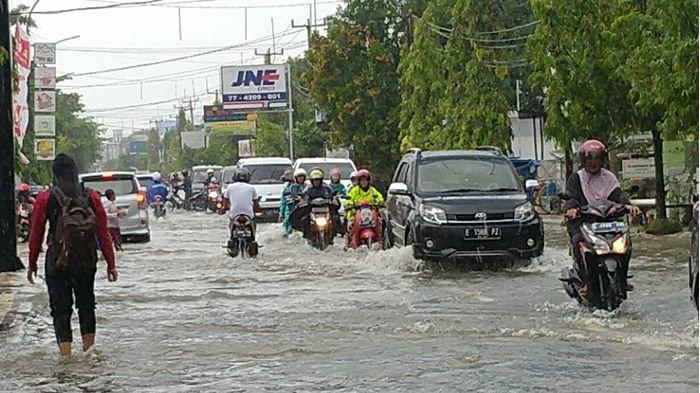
<point x="18" y="15"/>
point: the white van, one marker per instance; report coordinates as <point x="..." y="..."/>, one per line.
<point x="266" y="176"/>
<point x="345" y="165"/>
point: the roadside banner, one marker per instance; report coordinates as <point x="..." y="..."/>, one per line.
<point x="45" y="125"/>
<point x="216" y="113"/>
<point x="233" y="127"/>
<point x="45" y="53"/>
<point x="20" y="110"/>
<point x="254" y="87"/>
<point x="638" y="168"/>
<point x="45" y="77"/>
<point x="45" y="101"/>
<point x="45" y="149"/>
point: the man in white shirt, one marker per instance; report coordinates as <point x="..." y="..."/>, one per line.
<point x="243" y="197"/>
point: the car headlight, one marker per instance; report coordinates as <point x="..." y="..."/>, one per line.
<point x="600" y="246"/>
<point x="432" y="214"/>
<point x="524" y="212"/>
<point x="263" y="199"/>
<point x="619" y="246"/>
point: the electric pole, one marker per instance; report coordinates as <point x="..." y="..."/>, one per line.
<point x="310" y="25"/>
<point x="9" y="262"/>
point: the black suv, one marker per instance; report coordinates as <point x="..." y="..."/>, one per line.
<point x="462" y="204"/>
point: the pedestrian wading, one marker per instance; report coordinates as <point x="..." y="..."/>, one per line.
<point x="77" y="221"/>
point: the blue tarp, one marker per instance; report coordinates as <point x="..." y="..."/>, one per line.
<point x="526" y="168"/>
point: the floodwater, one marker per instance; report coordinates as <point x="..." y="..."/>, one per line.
<point x="186" y="317"/>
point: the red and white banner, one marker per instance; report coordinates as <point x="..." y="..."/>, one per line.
<point x="20" y="115"/>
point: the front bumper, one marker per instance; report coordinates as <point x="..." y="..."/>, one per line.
<point x="269" y="210"/>
<point x="448" y="241"/>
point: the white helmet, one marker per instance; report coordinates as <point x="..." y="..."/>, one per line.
<point x="353" y="175"/>
<point x="210" y="170"/>
<point x="157" y="176"/>
<point x="299" y="172"/>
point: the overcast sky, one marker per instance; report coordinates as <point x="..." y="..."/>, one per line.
<point x="126" y="36"/>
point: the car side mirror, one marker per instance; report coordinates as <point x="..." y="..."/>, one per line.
<point x="531" y="184"/>
<point x="398" y="188"/>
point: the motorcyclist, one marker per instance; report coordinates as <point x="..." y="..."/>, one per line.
<point x="211" y="178"/>
<point x="337" y="187"/>
<point x="363" y="191"/>
<point x="157" y="188"/>
<point x="243" y="198"/>
<point x="318" y="189"/>
<point x="353" y="181"/>
<point x="292" y="192"/>
<point x="589" y="184"/>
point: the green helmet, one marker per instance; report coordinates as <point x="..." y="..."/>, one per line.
<point x="316" y="174"/>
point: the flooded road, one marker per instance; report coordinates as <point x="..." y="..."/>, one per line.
<point x="185" y="317"/>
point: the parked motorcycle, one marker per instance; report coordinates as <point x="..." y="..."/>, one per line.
<point x="242" y="240"/>
<point x="693" y="260"/>
<point x="600" y="279"/>
<point x="321" y="223"/>
<point x="24" y="219"/>
<point x="368" y="226"/>
<point x="158" y="206"/>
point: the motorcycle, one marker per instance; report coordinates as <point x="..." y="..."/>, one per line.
<point x="214" y="198"/>
<point x="599" y="280"/>
<point x="158" y="206"/>
<point x="321" y="223"/>
<point x="24" y="217"/>
<point x="242" y="241"/>
<point x="367" y="227"/>
<point x="175" y="200"/>
<point x="693" y="260"/>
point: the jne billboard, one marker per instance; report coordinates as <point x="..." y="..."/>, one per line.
<point x="259" y="86"/>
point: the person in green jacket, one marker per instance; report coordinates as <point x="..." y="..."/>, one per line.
<point x="293" y="189"/>
<point x="364" y="191"/>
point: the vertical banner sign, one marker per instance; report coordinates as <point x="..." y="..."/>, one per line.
<point x="254" y="87"/>
<point x="20" y="115"/>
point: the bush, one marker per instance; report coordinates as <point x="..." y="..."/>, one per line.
<point x="663" y="226"/>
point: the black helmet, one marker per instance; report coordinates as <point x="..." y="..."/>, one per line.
<point x="243" y="175"/>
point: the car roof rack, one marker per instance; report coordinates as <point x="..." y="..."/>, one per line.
<point x="414" y="150"/>
<point x="492" y="149"/>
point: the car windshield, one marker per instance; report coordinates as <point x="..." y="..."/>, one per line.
<point x="345" y="168"/>
<point x="121" y="186"/>
<point x="200" y="175"/>
<point x="464" y="175"/>
<point x="267" y="174"/>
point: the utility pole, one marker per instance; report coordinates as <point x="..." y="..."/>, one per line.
<point x="9" y="262"/>
<point x="310" y="25"/>
<point x="270" y="52"/>
<point x="290" y="111"/>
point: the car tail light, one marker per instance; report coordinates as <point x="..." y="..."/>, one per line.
<point x="141" y="199"/>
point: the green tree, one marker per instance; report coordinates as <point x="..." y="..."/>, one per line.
<point x="354" y="80"/>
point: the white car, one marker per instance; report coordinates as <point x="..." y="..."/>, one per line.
<point x="129" y="198"/>
<point x="345" y="165"/>
<point x="266" y="176"/>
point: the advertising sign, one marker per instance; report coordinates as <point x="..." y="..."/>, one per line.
<point x="233" y="127"/>
<point x="45" y="125"/>
<point x="638" y="168"/>
<point x="254" y="87"/>
<point x="214" y="113"/>
<point x="45" y="77"/>
<point x="138" y="148"/>
<point x="245" y="148"/>
<point x="44" y="53"/>
<point x="44" y="101"/>
<point x="45" y="149"/>
<point x="193" y="139"/>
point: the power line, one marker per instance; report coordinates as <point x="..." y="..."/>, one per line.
<point x="141" y="105"/>
<point x="222" y="49"/>
<point x="101" y="7"/>
<point x="534" y="22"/>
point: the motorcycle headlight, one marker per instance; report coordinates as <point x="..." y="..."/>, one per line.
<point x="619" y="246"/>
<point x="321" y="221"/>
<point x="214" y="195"/>
<point x="600" y="245"/>
<point x="432" y="214"/>
<point x="524" y="212"/>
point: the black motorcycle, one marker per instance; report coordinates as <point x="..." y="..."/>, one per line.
<point x="599" y="279"/>
<point x="242" y="241"/>
<point x="693" y="260"/>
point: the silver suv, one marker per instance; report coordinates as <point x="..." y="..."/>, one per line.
<point x="129" y="198"/>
